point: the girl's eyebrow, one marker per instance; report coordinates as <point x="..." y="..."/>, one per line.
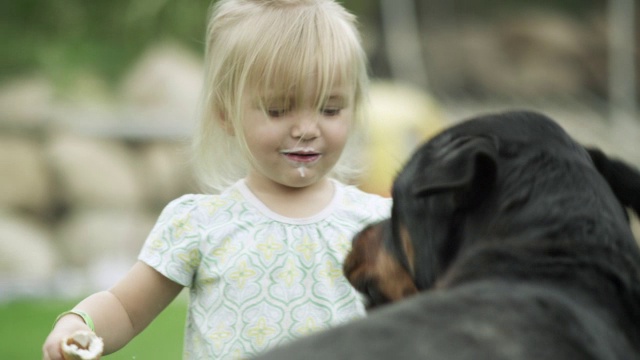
<point x="278" y="98"/>
<point x="275" y="99"/>
<point x="337" y="97"/>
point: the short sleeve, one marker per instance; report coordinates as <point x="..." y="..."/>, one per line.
<point x="172" y="247"/>
<point x="364" y="208"/>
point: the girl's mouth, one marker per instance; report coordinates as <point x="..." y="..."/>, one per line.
<point x="301" y="156"/>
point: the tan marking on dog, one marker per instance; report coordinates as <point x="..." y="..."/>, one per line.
<point x="407" y="248"/>
<point x="393" y="280"/>
<point x="369" y="263"/>
<point x="361" y="260"/>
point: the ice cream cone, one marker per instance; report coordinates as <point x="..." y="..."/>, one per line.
<point x="82" y="345"/>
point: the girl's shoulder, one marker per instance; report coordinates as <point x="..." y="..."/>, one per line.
<point x="201" y="205"/>
<point x="353" y="193"/>
<point x="356" y="200"/>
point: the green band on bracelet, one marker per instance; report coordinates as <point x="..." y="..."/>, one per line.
<point x="82" y="314"/>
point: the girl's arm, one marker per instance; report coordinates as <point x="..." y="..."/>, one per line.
<point x="120" y="313"/>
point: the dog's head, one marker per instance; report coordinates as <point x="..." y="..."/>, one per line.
<point x="450" y="193"/>
<point x="383" y="262"/>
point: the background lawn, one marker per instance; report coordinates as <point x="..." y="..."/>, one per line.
<point x="25" y="324"/>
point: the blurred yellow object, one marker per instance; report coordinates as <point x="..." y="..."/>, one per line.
<point x="401" y="117"/>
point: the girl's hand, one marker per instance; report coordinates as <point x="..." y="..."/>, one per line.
<point x="118" y="314"/>
<point x="65" y="327"/>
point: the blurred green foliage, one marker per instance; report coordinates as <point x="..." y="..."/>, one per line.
<point x="64" y="38"/>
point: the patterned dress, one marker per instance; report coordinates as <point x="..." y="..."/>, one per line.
<point x="258" y="279"/>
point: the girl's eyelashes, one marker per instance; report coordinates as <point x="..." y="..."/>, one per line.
<point x="334" y="105"/>
<point x="280" y="112"/>
<point x="331" y="111"/>
<point x="281" y="108"/>
<point x="277" y="112"/>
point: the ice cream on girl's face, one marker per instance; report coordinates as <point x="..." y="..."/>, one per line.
<point x="301" y="157"/>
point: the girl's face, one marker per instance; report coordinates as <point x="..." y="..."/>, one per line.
<point x="293" y="143"/>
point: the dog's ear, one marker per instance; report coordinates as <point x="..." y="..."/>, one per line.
<point x="469" y="168"/>
<point x="623" y="179"/>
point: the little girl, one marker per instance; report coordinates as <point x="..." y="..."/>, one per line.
<point x="285" y="82"/>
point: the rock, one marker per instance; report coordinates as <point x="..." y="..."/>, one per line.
<point x="166" y="77"/>
<point x="25" y="183"/>
<point x="547" y="54"/>
<point x="166" y="172"/>
<point x="89" y="236"/>
<point x="26" y="102"/>
<point x="26" y="250"/>
<point x="93" y="172"/>
<point x="531" y="54"/>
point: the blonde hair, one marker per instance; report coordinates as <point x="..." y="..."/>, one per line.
<point x="273" y="46"/>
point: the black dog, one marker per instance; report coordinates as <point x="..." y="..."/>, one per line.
<point x="515" y="239"/>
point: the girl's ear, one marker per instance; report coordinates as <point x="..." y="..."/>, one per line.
<point x="226" y="123"/>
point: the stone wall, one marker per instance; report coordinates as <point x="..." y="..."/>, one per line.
<point x="83" y="181"/>
<point x="72" y="203"/>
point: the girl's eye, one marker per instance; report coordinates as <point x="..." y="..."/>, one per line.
<point x="276" y="112"/>
<point x="331" y="111"/>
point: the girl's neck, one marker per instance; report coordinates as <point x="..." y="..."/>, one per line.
<point x="294" y="202"/>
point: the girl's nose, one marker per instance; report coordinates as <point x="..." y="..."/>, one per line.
<point x="306" y="127"/>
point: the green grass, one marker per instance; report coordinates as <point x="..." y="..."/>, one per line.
<point x="25" y="324"/>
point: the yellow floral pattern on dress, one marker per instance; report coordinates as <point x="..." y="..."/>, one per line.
<point x="215" y="204"/>
<point x="343" y="244"/>
<point x="156" y="243"/>
<point x="308" y="327"/>
<point x="237" y="355"/>
<point x="307" y="248"/>
<point x="261" y="331"/>
<point x="182" y="226"/>
<point x="242" y="274"/>
<point x="219" y="336"/>
<point x="331" y="272"/>
<point x="269" y="247"/>
<point x="224" y="250"/>
<point x="191" y="258"/>
<point x="290" y="273"/>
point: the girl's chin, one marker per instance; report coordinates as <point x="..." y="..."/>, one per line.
<point x="303" y="176"/>
<point x="302" y="171"/>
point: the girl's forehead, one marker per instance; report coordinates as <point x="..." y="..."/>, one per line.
<point x="287" y="75"/>
<point x="309" y="91"/>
